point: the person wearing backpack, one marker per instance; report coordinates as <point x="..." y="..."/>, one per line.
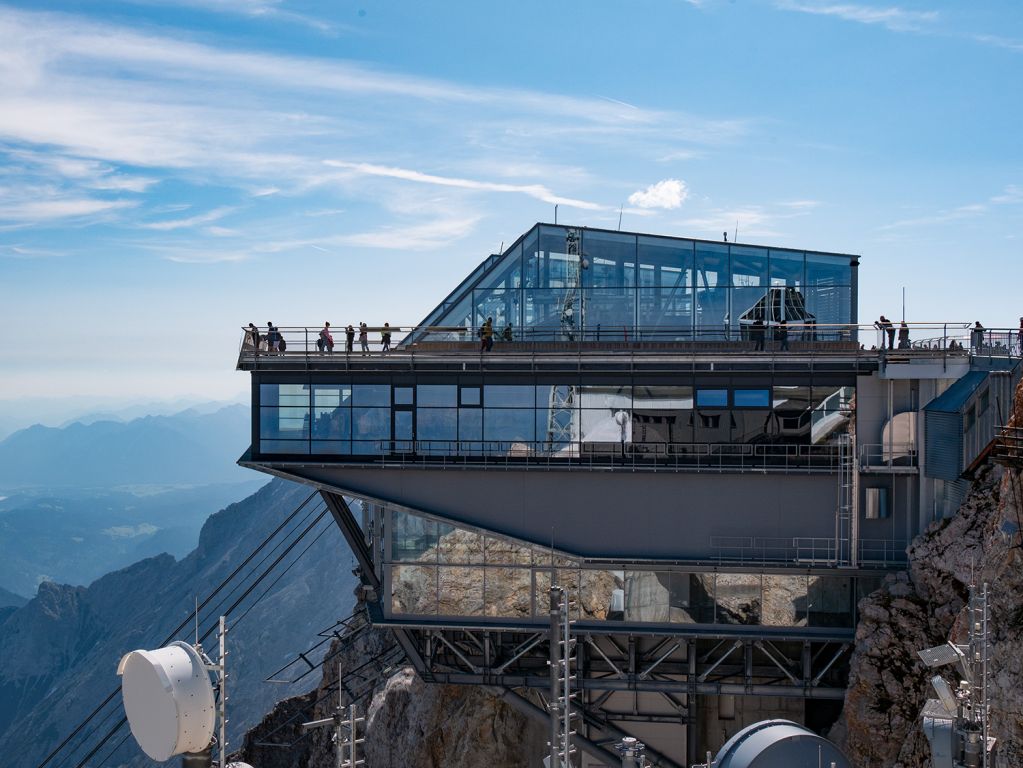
<point x="385" y="338"/>
<point x="326" y="341"/>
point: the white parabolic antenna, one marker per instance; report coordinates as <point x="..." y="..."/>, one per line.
<point x="168" y="698"/>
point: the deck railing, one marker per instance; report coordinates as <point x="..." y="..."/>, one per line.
<point x="926" y="340"/>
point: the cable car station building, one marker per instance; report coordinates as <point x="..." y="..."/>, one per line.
<point x="684" y="435"/>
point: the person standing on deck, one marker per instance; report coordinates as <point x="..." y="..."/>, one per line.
<point x="385" y="338"/>
<point x="782" y="334"/>
<point x="364" y="337"/>
<point x="349" y="338"/>
<point x="325" y="343"/>
<point x="903" y="335"/>
<point x="487" y="335"/>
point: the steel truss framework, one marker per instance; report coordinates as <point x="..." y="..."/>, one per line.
<point x="623" y="674"/>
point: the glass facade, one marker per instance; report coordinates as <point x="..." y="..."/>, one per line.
<point x="436" y="569"/>
<point x="566" y="284"/>
<point x="567" y="417"/>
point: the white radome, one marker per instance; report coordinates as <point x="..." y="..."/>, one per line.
<point x="168" y="698"/>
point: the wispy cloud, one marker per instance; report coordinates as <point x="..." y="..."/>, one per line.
<point x="1011" y="195"/>
<point x="537" y="191"/>
<point x="667" y="194"/>
<point x="49" y="210"/>
<point x="191" y="221"/>
<point x="892" y="17"/>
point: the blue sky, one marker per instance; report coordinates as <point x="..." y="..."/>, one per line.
<point x="172" y="169"/>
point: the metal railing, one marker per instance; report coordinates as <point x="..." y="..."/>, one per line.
<point x="521" y="454"/>
<point x="809" y="550"/>
<point x="891" y="455"/>
<point x="925" y="340"/>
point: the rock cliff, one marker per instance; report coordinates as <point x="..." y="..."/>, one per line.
<point x="923" y="607"/>
<point x="61" y="648"/>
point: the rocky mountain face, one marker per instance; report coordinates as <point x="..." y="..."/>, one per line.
<point x="924" y="607"/>
<point x="61" y="648"/>
<point x="409" y="723"/>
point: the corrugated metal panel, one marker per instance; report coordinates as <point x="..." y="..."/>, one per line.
<point x="954" y="398"/>
<point x="944" y="445"/>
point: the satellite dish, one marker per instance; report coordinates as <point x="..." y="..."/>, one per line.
<point x="168" y="698"/>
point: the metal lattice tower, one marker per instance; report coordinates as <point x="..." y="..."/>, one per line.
<point x="980" y="710"/>
<point x="563" y="682"/>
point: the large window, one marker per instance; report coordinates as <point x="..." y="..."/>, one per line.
<point x="564" y="284"/>
<point x="562" y="417"/>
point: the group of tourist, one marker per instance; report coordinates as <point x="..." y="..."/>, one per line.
<point x="325" y="342"/>
<point x="486" y="334"/>
<point x="273" y="342"/>
<point x="887" y="331"/>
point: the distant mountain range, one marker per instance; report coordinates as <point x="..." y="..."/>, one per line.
<point x="75" y="536"/>
<point x="61" y="648"/>
<point x="187" y="448"/>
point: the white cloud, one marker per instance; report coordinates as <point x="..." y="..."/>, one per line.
<point x="26" y="212"/>
<point x="191" y="221"/>
<point x="893" y="18"/>
<point x="668" y="194"/>
<point x="1013" y="193"/>
<point x="537" y="191"/>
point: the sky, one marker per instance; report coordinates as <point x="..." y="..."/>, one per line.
<point x="173" y="169"/>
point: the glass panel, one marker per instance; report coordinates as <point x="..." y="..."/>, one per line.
<point x="371" y="394"/>
<point x="701" y="597"/>
<point x="470" y="425"/>
<point x="509" y="424"/>
<point x="785" y="601"/>
<point x="460" y="591"/>
<point x="459" y="546"/>
<point x="436" y="395"/>
<point x="606" y="257"/>
<point x="787" y="268"/>
<point x="506" y="592"/>
<point x="333" y="447"/>
<point x="738" y="598"/>
<point x="609" y="426"/>
<point x="413" y="537"/>
<point x="610" y="313"/>
<point x="826" y="270"/>
<point x="749" y="267"/>
<point x="506" y="272"/>
<point x="613" y="396"/>
<point x="712" y="398"/>
<point x="403" y="395"/>
<point x="666" y="314"/>
<point x="436" y="423"/>
<point x="371" y="423"/>
<point x="530" y="260"/>
<point x="508" y="396"/>
<point x="751" y="398"/>
<point x="551" y="314"/>
<point x="506" y="552"/>
<point x="284" y="446"/>
<point x="597" y="594"/>
<point x="711" y="284"/>
<point x="403" y="425"/>
<point x="284" y="422"/>
<point x="284" y="394"/>
<point x="414" y="589"/>
<point x="470" y="395"/>
<point x="647" y="596"/>
<point x="829" y="600"/>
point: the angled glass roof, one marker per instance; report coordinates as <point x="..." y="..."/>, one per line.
<point x="559" y="283"/>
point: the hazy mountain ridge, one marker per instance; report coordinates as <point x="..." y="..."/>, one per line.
<point x="77" y="536"/>
<point x="186" y="448"/>
<point x="62" y="647"/>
